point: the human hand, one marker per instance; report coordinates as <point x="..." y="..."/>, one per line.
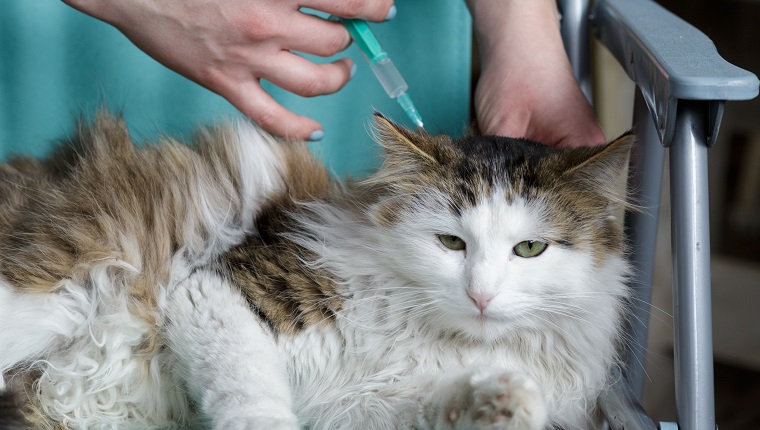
<point x="229" y="46"/>
<point x="526" y="87"/>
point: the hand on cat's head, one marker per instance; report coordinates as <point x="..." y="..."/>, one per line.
<point x="555" y="114"/>
<point x="526" y="87"/>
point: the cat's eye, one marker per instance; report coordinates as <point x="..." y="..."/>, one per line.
<point x="530" y="248"/>
<point x="452" y="242"/>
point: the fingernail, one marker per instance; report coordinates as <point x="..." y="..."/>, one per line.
<point x="391" y="13"/>
<point x="316" y="136"/>
<point x="353" y="71"/>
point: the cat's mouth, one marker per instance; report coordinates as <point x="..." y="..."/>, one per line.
<point x="487" y="327"/>
<point x="490" y="320"/>
<point x="490" y="317"/>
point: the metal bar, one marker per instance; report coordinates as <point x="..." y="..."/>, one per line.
<point x="690" y="238"/>
<point x="645" y="182"/>
<point x="575" y="35"/>
<point x="620" y="406"/>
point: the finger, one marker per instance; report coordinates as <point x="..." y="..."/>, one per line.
<point x="314" y="35"/>
<point x="300" y="76"/>
<point x="255" y="103"/>
<point x="374" y="10"/>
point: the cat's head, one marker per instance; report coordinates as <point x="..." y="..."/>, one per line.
<point x="503" y="234"/>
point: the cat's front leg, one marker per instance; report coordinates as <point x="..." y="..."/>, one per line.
<point x="227" y="357"/>
<point x="484" y="399"/>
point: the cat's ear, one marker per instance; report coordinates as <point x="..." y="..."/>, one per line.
<point x="605" y="168"/>
<point x="606" y="158"/>
<point x="404" y="145"/>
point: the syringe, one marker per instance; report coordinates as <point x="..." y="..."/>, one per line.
<point x="383" y="67"/>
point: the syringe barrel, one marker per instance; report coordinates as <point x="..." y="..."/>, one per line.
<point x="388" y="75"/>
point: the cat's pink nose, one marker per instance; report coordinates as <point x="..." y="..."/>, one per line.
<point x="481" y="300"/>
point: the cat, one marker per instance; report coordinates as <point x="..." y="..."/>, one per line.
<point x="232" y="283"/>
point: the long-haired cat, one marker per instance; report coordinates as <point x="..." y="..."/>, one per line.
<point x="232" y="284"/>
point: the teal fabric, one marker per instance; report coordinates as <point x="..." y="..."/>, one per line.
<point x="57" y="64"/>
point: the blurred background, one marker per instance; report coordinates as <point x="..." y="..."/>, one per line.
<point x="734" y="179"/>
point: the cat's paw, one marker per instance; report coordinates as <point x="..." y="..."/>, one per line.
<point x="500" y="400"/>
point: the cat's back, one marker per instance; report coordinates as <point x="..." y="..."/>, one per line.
<point x="93" y="236"/>
<point x="17" y="178"/>
<point x="100" y="196"/>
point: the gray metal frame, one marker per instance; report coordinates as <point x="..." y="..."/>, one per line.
<point x="645" y="181"/>
<point x="690" y="238"/>
<point x="682" y="85"/>
<point x="574" y="29"/>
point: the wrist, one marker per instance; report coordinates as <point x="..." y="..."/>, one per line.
<point x="516" y="28"/>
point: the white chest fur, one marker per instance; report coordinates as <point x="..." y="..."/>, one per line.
<point x="344" y="371"/>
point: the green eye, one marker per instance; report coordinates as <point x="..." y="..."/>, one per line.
<point x="530" y="248"/>
<point x="452" y="242"/>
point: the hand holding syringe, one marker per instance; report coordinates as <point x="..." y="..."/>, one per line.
<point x="383" y="67"/>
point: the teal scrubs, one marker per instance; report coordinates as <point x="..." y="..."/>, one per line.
<point x="57" y="64"/>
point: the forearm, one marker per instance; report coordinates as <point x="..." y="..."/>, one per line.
<point x="518" y="29"/>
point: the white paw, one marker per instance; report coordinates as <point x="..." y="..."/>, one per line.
<point x="500" y="400"/>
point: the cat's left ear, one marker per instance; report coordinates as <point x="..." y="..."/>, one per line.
<point x="605" y="168"/>
<point x="403" y="145"/>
